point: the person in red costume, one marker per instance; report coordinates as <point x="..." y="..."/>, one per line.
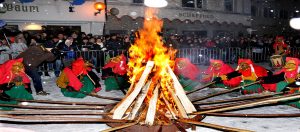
<point x="248" y="72"/>
<point x="280" y="47"/>
<point x="287" y="75"/>
<point x="14" y="83"/>
<point x="217" y="69"/>
<point x="187" y="72"/>
<point x="114" y="74"/>
<point x="78" y="77"/>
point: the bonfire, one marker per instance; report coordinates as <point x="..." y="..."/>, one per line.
<point x="155" y="96"/>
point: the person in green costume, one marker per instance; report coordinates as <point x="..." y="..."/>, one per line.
<point x="248" y="72"/>
<point x="14" y="83"/>
<point x="114" y="74"/>
<point x="78" y="80"/>
<point x="187" y="72"/>
<point x="285" y="80"/>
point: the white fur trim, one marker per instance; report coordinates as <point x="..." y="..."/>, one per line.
<point x="237" y="68"/>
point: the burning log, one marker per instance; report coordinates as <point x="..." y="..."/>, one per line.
<point x="125" y="103"/>
<point x="152" y="107"/>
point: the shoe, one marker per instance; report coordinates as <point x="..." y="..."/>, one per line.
<point x="43" y="93"/>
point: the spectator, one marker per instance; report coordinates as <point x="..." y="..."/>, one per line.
<point x="18" y="46"/>
<point x="5" y="52"/>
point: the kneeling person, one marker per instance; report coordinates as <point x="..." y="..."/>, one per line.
<point x="14" y="83"/>
<point x="78" y="80"/>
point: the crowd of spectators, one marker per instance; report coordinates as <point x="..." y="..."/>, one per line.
<point x="12" y="46"/>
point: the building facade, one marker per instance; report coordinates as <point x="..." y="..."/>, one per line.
<point x="272" y="16"/>
<point x="31" y="16"/>
<point x="207" y="18"/>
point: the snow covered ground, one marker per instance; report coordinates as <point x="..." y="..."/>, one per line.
<point x="254" y="124"/>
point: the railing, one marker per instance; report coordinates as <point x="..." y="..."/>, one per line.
<point x="198" y="56"/>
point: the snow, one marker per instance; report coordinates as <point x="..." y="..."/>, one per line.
<point x="254" y="124"/>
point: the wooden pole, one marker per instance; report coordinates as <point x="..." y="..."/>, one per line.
<point x="58" y="119"/>
<point x="54" y="107"/>
<point x="200" y="88"/>
<point x="263" y="95"/>
<point x="254" y="115"/>
<point x="225" y="105"/>
<point x="120" y="127"/>
<point x="99" y="96"/>
<point x="63" y="102"/>
<point x="258" y="103"/>
<point x="214" y="126"/>
<point x="224" y="92"/>
<point x="52" y="112"/>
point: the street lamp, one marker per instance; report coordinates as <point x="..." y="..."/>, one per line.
<point x="156" y="3"/>
<point x="99" y="6"/>
<point x="295" y="23"/>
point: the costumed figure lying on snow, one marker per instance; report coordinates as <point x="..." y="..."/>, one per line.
<point x="187" y="73"/>
<point x="78" y="79"/>
<point x="247" y="72"/>
<point x="114" y="74"/>
<point x="14" y="83"/>
<point x="217" y="72"/>
<point x="285" y="80"/>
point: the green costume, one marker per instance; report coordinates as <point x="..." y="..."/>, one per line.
<point x="17" y="92"/>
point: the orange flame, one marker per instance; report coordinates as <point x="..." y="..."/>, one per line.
<point x="149" y="46"/>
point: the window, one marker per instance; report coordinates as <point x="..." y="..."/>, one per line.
<point x="266" y="12"/>
<point x="199" y="3"/>
<point x="138" y="1"/>
<point x="253" y="11"/>
<point x="188" y="3"/>
<point x="228" y="5"/>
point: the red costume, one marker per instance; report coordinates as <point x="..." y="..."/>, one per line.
<point x="290" y="75"/>
<point x="118" y="65"/>
<point x="184" y="67"/>
<point x="218" y="68"/>
<point x="7" y="75"/>
<point x="280" y="46"/>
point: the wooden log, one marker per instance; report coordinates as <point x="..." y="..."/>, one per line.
<point x="54" y="107"/>
<point x="139" y="101"/>
<point x="263" y="95"/>
<point x="200" y="88"/>
<point x="49" y="119"/>
<point x="126" y="102"/>
<point x="64" y="102"/>
<point x="258" y="103"/>
<point x="52" y="112"/>
<point x="254" y="115"/>
<point x="120" y="127"/>
<point x="169" y="107"/>
<point x="187" y="104"/>
<point x="180" y="108"/>
<point x="224" y="92"/>
<point x="152" y="107"/>
<point x="214" y="126"/>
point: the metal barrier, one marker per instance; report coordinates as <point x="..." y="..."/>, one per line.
<point x="198" y="56"/>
